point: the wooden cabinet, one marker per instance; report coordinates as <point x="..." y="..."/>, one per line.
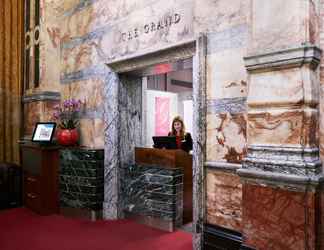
<point x="40" y="178"/>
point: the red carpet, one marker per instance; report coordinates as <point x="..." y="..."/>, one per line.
<point x="21" y="229"/>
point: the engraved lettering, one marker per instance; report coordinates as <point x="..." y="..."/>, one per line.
<point x="166" y="21"/>
<point x="130" y="36"/>
<point x="123" y="37"/>
<point x="153" y="27"/>
<point x="146" y="28"/>
<point x="136" y="33"/>
<point x="160" y="25"/>
<point x="177" y="18"/>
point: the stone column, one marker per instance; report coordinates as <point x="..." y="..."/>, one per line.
<point x="111" y="205"/>
<point x="282" y="171"/>
<point x="199" y="138"/>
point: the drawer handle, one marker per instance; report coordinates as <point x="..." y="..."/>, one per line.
<point x="31" y="179"/>
<point x="31" y="196"/>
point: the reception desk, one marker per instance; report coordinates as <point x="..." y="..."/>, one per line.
<point x="159" y="188"/>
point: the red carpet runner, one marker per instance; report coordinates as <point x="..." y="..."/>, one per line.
<point x="21" y="229"/>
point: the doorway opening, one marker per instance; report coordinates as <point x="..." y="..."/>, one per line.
<point x="158" y="185"/>
<point x="125" y="126"/>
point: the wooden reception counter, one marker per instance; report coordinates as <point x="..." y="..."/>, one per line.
<point x="177" y="160"/>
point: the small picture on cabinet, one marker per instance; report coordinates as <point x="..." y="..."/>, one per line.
<point x="43" y="131"/>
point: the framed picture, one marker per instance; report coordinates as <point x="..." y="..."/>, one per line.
<point x="43" y="131"/>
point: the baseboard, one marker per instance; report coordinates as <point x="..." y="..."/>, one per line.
<point x="219" y="238"/>
<point x="81" y="213"/>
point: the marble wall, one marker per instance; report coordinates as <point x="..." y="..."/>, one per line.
<point x="155" y="193"/>
<point x="227" y="30"/>
<point x="262" y="90"/>
<point x="82" y="73"/>
<point x="37" y="111"/>
<point x="95" y="32"/>
<point x="224" y="199"/>
<point x="282" y="169"/>
<point x="321" y="87"/>
<point x="38" y="105"/>
<point x="279" y="219"/>
<point x="297" y="23"/>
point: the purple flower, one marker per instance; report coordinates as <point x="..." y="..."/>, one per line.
<point x="67" y="113"/>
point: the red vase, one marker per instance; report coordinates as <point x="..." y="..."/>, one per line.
<point x="67" y="137"/>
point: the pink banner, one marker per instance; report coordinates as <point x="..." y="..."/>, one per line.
<point x="162" y="111"/>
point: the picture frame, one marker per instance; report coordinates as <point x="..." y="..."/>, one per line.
<point x="44" y="132"/>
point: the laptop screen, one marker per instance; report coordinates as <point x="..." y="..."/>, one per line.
<point x="167" y="142"/>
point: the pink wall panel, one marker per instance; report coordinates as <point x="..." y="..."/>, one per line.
<point x="162" y="115"/>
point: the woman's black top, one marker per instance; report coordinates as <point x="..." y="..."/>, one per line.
<point x="186" y="143"/>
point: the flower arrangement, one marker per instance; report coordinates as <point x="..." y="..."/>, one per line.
<point x="67" y="113"/>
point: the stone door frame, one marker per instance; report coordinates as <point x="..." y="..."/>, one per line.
<point x="196" y="49"/>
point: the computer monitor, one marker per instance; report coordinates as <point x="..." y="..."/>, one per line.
<point x="167" y="142"/>
<point x="43" y="132"/>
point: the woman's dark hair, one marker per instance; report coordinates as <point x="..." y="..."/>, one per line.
<point x="183" y="128"/>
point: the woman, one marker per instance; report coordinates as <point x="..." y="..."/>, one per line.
<point x="183" y="139"/>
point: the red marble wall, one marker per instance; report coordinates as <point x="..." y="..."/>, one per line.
<point x="278" y="219"/>
<point x="224" y="196"/>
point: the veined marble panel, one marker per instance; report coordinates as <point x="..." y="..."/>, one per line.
<point x="92" y="133"/>
<point x="293" y="25"/>
<point x="37" y="111"/>
<point x="227" y="105"/>
<point x="154" y="191"/>
<point x="283" y="127"/>
<point x="235" y="37"/>
<point x="48" y="110"/>
<point x="90" y="92"/>
<point x="152" y="28"/>
<point x="224" y="199"/>
<point x="72" y="5"/>
<point x="199" y="138"/>
<point x="226" y="137"/>
<point x="78" y="19"/>
<point x="89" y="15"/>
<point x="130" y="113"/>
<point x="292" y="161"/>
<point x="32" y="112"/>
<point x="99" y="71"/>
<point x="81" y="178"/>
<point x="278" y="219"/>
<point x="138" y="33"/>
<point x="213" y="15"/>
<point x="81" y="57"/>
<point x="49" y="42"/>
<point x="226" y="74"/>
<point x="112" y="207"/>
<point x="276" y="88"/>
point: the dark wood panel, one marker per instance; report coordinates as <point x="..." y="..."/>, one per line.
<point x="40" y="189"/>
<point x="31" y="183"/>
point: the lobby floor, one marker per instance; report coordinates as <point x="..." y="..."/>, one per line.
<point x="21" y="229"/>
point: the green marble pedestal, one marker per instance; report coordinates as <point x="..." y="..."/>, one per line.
<point x="81" y="182"/>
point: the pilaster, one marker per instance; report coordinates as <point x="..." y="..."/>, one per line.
<point x="282" y="172"/>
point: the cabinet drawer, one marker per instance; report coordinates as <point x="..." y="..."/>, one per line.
<point x="32" y="160"/>
<point x="32" y="201"/>
<point x="31" y="184"/>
